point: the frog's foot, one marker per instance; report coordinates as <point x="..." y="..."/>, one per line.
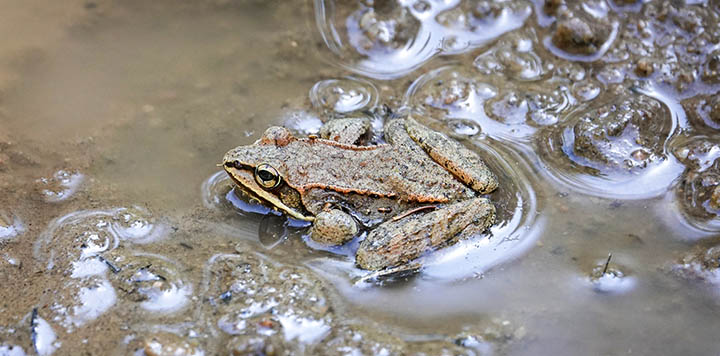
<point x="347" y="131"/>
<point x="333" y="227"/>
<point x="460" y="161"/>
<point x="396" y="242"/>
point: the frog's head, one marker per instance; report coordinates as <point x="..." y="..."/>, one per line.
<point x="259" y="170"/>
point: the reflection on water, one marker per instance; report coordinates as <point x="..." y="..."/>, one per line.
<point x="118" y="234"/>
<point x="343" y="95"/>
<point x="388" y="40"/>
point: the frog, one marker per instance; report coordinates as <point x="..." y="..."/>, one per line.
<point x="418" y="191"/>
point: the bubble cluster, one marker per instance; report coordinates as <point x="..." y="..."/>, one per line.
<point x="607" y="277"/>
<point x="80" y="246"/>
<point x="250" y="295"/>
<point x="10" y="226"/>
<point x="343" y="95"/>
<point x="615" y="149"/>
<point x="699" y="194"/>
<point x="388" y="39"/>
<point x="702" y="264"/>
<point x="153" y="281"/>
<point x="514" y="58"/>
<point x="704" y="110"/>
<point x="61" y="186"/>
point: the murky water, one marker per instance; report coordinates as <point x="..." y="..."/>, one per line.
<point x="120" y="235"/>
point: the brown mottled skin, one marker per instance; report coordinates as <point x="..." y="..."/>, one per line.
<point x="322" y="179"/>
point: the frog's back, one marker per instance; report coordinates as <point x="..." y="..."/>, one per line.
<point x="402" y="171"/>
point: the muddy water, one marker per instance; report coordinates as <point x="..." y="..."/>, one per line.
<point x="119" y="234"/>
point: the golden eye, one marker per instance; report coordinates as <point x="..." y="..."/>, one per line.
<point x="267" y="176"/>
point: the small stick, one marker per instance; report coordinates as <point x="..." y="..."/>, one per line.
<point x="112" y="266"/>
<point x="607" y="263"/>
<point x="33" y="329"/>
<point x="387" y="272"/>
<point x="413" y="211"/>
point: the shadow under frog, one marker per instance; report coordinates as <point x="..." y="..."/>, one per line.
<point x="418" y="192"/>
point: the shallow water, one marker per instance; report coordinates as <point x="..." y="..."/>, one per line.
<point x="119" y="234"/>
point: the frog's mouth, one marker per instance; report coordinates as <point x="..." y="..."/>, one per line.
<point x="246" y="180"/>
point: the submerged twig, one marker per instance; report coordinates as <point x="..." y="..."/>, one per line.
<point x="33" y="327"/>
<point x="408" y="268"/>
<point x="607" y="263"/>
<point x="115" y="269"/>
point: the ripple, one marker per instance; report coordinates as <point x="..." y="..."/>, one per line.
<point x="452" y="92"/>
<point x="89" y="233"/>
<point x="542" y="17"/>
<point x="613" y="151"/>
<point x="675" y="216"/>
<point x="389" y="41"/>
<point x="518" y="223"/>
<point x="248" y="293"/>
<point x="343" y="95"/>
<point x="532" y="105"/>
<point x="514" y="58"/>
<point x="698" y="194"/>
<point x="704" y="110"/>
<point x="137" y="225"/>
<point x="219" y="193"/>
<point x="517" y="228"/>
<point x="381" y="45"/>
<point x="75" y="236"/>
<point x="214" y="189"/>
<point x="586" y="90"/>
<point x="701" y="264"/>
<point x="477" y="23"/>
<point x="152" y="280"/>
<point x="61" y="186"/>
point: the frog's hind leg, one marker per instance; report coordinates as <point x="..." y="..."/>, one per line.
<point x="349" y="131"/>
<point x="460" y="161"/>
<point x="396" y="242"/>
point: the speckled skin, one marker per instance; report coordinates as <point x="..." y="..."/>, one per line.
<point x="374" y="185"/>
<point x="348" y="131"/>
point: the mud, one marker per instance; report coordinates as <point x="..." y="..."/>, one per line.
<point x="120" y="235"/>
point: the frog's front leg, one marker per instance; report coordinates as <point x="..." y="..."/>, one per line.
<point x="347" y="131"/>
<point x="333" y="227"/>
<point x="399" y="241"/>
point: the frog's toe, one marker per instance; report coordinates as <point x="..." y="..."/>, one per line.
<point x="333" y="227"/>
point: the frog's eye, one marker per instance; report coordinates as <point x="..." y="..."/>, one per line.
<point x="267" y="176"/>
